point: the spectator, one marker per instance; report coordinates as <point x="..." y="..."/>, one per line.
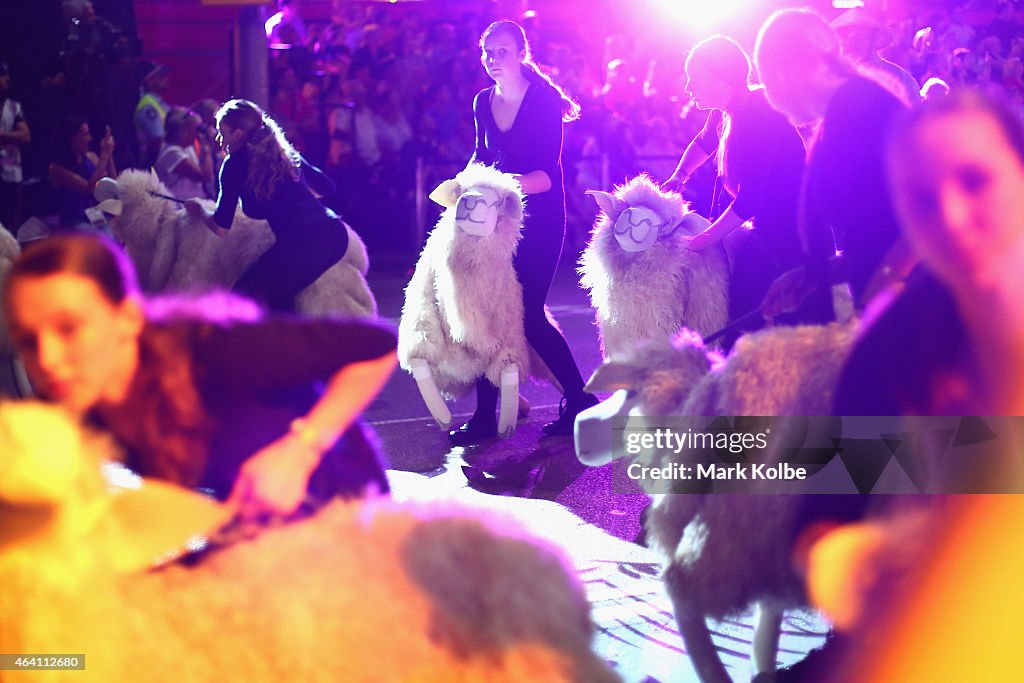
<point x="206" y="109"/>
<point x="862" y="36"/>
<point x="179" y="165"/>
<point x="286" y="27"/>
<point x="14" y="134"/>
<point x="934" y="87"/>
<point x="150" y="113"/>
<point x="76" y="169"/>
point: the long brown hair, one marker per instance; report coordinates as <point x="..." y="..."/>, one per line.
<point x="169" y="428"/>
<point x="271" y="157"/>
<point x="570" y="107"/>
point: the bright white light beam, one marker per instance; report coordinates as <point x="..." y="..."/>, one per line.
<point x="700" y="14"/>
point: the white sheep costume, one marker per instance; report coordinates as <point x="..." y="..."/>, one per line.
<point x="173" y="252"/>
<point x="721" y="553"/>
<point x="660" y="285"/>
<point x="360" y="592"/>
<point x="9" y="251"/>
<point x="463" y="311"/>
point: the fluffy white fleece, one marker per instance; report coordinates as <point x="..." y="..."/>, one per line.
<point x="463" y="310"/>
<point x="363" y="591"/>
<point x="174" y="253"/>
<point x="651" y="294"/>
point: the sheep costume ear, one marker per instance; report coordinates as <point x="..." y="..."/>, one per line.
<point x="513" y="207"/>
<point x="108" y="194"/>
<point x="447" y="193"/>
<point x="609" y="204"/>
<point x="613" y="376"/>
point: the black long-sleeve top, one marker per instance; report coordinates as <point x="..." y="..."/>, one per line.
<point x="846" y="198"/>
<point x="291" y="204"/>
<point x="252" y="380"/>
<point x="764" y="165"/>
<point x="533" y="143"/>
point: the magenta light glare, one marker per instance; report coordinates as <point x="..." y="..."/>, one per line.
<point x="701" y="14"/>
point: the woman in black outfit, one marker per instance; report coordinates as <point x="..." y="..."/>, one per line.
<point x="519" y="130"/>
<point x="760" y="160"/>
<point x="273" y="182"/>
<point x="258" y="411"/>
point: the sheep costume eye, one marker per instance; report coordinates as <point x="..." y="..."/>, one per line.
<point x="476" y="212"/>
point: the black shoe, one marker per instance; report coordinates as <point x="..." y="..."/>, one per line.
<point x="473" y="432"/>
<point x="567" y="412"/>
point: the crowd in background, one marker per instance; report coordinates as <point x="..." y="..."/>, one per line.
<point x="381" y="100"/>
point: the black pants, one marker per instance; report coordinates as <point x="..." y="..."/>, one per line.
<point x="10" y="206"/>
<point x="291" y="265"/>
<point x="535" y="263"/>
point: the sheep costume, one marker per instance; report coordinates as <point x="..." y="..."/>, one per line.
<point x="172" y="252"/>
<point x="9" y="252"/>
<point x="721" y="553"/>
<point x="463" y="311"/>
<point x="643" y="279"/>
<point x="380" y="591"/>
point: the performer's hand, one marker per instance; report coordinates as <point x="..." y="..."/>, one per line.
<point x="786" y="294"/>
<point x="274" y="480"/>
<point x="198" y="212"/>
<point x="675" y="183"/>
<point x="699" y="242"/>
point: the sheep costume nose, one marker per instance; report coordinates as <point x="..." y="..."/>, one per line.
<point x="597" y="443"/>
<point x="637" y="229"/>
<point x="476" y="212"/>
<point x="108" y="196"/>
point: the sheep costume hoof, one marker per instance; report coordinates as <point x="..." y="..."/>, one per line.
<point x="463" y="312"/>
<point x="174" y="253"/>
<point x="644" y="281"/>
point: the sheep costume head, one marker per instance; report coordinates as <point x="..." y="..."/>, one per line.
<point x="786" y="370"/>
<point x="381" y="590"/>
<point x="172" y="252"/>
<point x="643" y="280"/>
<point x="463" y="311"/>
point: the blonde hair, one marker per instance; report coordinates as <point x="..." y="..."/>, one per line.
<point x="272" y="157"/>
<point x="727" y="62"/>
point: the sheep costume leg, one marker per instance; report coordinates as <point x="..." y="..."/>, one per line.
<point x="379" y="591"/>
<point x="171" y="252"/>
<point x="644" y="282"/>
<point x="463" y="311"/>
<point x="722" y="553"/>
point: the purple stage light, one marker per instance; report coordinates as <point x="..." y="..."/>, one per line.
<point x="702" y="14"/>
